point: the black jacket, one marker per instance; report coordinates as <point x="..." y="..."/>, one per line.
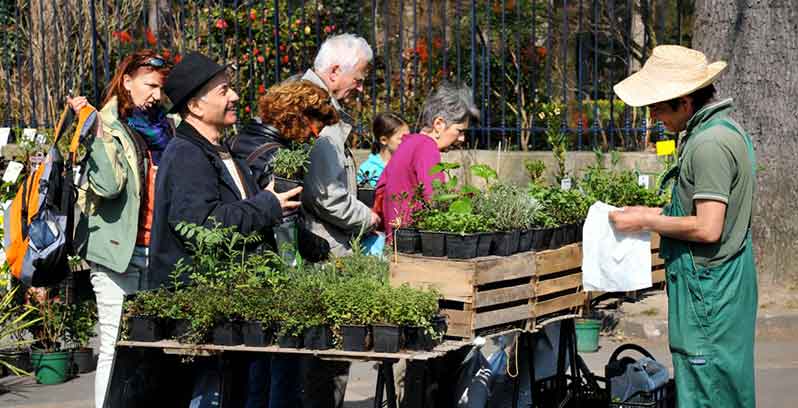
<point x="193" y="185"/>
<point x="249" y="139"/>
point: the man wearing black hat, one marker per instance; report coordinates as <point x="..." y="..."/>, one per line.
<point x="198" y="179"/>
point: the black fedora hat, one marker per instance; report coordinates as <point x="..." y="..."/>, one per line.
<point x="188" y="76"/>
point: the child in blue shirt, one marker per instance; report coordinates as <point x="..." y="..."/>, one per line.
<point x="388" y="129"/>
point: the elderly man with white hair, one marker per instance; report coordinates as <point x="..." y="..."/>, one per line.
<point x="332" y="214"/>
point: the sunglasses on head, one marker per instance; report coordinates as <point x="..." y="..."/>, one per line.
<point x="155" y="62"/>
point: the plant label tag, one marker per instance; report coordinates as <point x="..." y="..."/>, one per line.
<point x="4" y="133"/>
<point x="644" y="180"/>
<point x="29" y="134"/>
<point x="36" y="160"/>
<point x="12" y="172"/>
<point x="76" y="173"/>
<point x="666" y="147"/>
<point x="41" y="139"/>
<point x="565" y="184"/>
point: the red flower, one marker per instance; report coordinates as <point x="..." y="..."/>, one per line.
<point x="150" y="38"/>
<point x="221" y="24"/>
<point x="123" y="37"/>
<point x="282" y="47"/>
<point x="422" y="51"/>
<point x="255" y="51"/>
<point x="332" y="27"/>
<point x="261" y="59"/>
<point x="253" y="15"/>
<point x="541" y="51"/>
<point x="267" y="50"/>
<point x="245" y="57"/>
<point x="261" y="89"/>
<point x="298" y="21"/>
<point x="285" y="59"/>
<point x="178" y="58"/>
<point x="327" y="29"/>
<point x="247" y="109"/>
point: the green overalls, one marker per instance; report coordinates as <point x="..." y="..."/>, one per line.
<point x="711" y="315"/>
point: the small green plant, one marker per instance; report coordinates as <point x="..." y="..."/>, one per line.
<point x="292" y="163"/>
<point x="536" y="170"/>
<point x="80" y="322"/>
<point x="15" y="321"/>
<point x="507" y="207"/>
<point x="50" y="330"/>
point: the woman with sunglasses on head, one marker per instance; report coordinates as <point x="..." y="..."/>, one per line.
<point x="122" y="163"/>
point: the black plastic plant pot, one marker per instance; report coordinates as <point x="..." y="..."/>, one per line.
<point x="580" y="226"/>
<point x="417" y="339"/>
<point x="318" y="338"/>
<point x="571" y="233"/>
<point x="366" y="196"/>
<point x="525" y="242"/>
<point x="83" y="360"/>
<point x="541" y="238"/>
<point x="143" y="328"/>
<point x="461" y="246"/>
<point x="386" y="338"/>
<point x="289" y="341"/>
<point x="356" y="338"/>
<point x="557" y="236"/>
<point x="17" y="358"/>
<point x="484" y="243"/>
<point x="505" y="243"/>
<point x="281" y="185"/>
<point x="433" y="243"/>
<point x="227" y="333"/>
<point x="178" y="329"/>
<point x="408" y="241"/>
<point x="257" y="334"/>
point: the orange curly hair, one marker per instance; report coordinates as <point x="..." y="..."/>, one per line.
<point x="291" y="106"/>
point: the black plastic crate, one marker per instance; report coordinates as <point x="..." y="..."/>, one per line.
<point x="662" y="397"/>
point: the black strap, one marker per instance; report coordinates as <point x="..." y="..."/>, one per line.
<point x="261" y="150"/>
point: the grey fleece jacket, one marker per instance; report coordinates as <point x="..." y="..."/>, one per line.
<point x="330" y="206"/>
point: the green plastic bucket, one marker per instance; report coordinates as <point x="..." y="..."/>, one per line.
<point x="51" y="368"/>
<point x="587" y="335"/>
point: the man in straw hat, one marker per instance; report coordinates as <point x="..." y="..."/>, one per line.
<point x="706" y="235"/>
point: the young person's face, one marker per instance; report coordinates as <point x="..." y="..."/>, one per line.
<point x="217" y="106"/>
<point x="145" y="87"/>
<point x="675" y="120"/>
<point x="392" y="143"/>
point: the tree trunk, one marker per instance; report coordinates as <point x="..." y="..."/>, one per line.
<point x="758" y="39"/>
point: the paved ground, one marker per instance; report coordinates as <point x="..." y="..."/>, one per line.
<point x="776" y="370"/>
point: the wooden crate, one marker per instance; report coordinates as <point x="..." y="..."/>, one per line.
<point x="488" y="294"/>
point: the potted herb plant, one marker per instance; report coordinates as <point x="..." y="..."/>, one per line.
<point x="289" y="166"/>
<point x="365" y="191"/>
<point x="143" y="318"/>
<point x="503" y="205"/>
<point x="351" y="306"/>
<point x="51" y="361"/>
<point x="256" y="308"/>
<point x="81" y="320"/>
<point x="420" y="321"/>
<point x="387" y="318"/>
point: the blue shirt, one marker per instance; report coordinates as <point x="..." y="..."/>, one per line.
<point x="371" y="170"/>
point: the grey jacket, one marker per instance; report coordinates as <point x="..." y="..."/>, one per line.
<point x="330" y="206"/>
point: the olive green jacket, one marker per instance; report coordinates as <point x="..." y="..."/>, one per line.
<point x="110" y="195"/>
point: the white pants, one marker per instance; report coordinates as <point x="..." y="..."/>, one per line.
<point x="110" y="288"/>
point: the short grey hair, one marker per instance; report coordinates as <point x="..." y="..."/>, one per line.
<point x="344" y="50"/>
<point x="453" y="102"/>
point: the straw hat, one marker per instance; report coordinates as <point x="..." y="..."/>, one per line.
<point x="671" y="71"/>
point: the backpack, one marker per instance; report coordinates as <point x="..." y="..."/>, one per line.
<point x="39" y="223"/>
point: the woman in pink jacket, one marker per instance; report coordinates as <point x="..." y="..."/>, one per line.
<point x="445" y="116"/>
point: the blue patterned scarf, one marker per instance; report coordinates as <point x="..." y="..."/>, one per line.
<point x="154" y="126"/>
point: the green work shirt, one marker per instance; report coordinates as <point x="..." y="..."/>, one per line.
<point x="716" y="166"/>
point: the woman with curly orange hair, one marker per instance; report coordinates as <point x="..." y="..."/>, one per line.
<point x="289" y="112"/>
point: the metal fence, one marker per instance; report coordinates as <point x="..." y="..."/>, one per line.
<point x="527" y="61"/>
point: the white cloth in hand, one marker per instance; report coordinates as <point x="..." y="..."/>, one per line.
<point x="613" y="261"/>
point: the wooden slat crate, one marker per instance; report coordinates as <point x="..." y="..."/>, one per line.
<point x="487" y="294"/>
